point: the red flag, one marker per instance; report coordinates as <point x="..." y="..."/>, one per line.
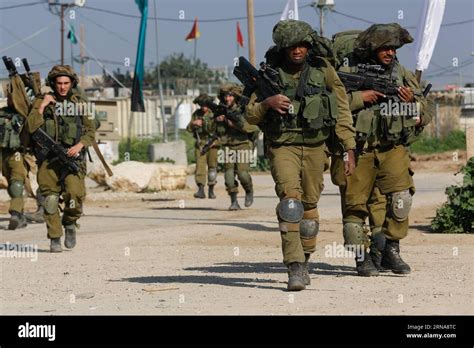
<point x="194" y="34"/>
<point x="240" y="37"/>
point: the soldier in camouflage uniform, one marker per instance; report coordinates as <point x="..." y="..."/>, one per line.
<point x="383" y="167"/>
<point x="12" y="160"/>
<point x="202" y="126"/>
<point x="237" y="138"/>
<point x="296" y="123"/>
<point x="74" y="131"/>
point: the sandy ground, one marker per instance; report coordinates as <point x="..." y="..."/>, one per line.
<point x="167" y="253"/>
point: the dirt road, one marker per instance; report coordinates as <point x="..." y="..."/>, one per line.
<point x="168" y="253"/>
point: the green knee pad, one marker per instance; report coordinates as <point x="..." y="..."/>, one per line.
<point x="354" y="234"/>
<point x="51" y="203"/>
<point x="15" y="189"/>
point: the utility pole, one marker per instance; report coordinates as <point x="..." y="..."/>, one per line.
<point x="62" y="8"/>
<point x="160" y="86"/>
<point x="83" y="76"/>
<point x="251" y="30"/>
<point x="322" y="5"/>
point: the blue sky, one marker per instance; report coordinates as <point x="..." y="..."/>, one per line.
<point x="113" y="38"/>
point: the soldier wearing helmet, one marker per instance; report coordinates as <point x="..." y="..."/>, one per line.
<point x="311" y="105"/>
<point x="238" y="141"/>
<point x="74" y="129"/>
<point x="202" y="126"/>
<point x="382" y="176"/>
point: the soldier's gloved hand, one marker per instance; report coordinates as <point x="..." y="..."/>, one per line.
<point x="278" y="102"/>
<point x="48" y="99"/>
<point x="349" y="162"/>
<point x="371" y="96"/>
<point x="74" y="150"/>
<point x="406" y="94"/>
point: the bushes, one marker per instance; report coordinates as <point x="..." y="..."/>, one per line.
<point x="457" y="214"/>
<point x="456" y="140"/>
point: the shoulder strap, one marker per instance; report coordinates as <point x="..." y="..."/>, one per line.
<point x="300" y="90"/>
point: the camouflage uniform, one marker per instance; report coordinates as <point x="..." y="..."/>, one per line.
<point x="68" y="130"/>
<point x="296" y="146"/>
<point x="12" y="164"/>
<point x="237" y="140"/>
<point x="383" y="169"/>
<point x="202" y="135"/>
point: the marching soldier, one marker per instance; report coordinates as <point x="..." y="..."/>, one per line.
<point x="202" y="126"/>
<point x="296" y="124"/>
<point x="238" y="141"/>
<point x="384" y="127"/>
<point x="74" y="130"/>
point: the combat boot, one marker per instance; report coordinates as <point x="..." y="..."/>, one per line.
<point x="365" y="267"/>
<point x="391" y="258"/>
<point x="37" y="216"/>
<point x="55" y="246"/>
<point x="200" y="193"/>
<point x="248" y="198"/>
<point x="234" y="204"/>
<point x="306" y="277"/>
<point x="376" y="257"/>
<point x="17" y="220"/>
<point x="296" y="277"/>
<point x="210" y="192"/>
<point x="70" y="232"/>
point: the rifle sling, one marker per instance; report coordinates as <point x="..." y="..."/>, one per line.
<point x="101" y="158"/>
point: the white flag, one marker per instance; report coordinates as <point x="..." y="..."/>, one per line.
<point x="290" y="11"/>
<point x="427" y="33"/>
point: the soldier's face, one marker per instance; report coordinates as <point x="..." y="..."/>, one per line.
<point x="385" y="55"/>
<point x="229" y="99"/>
<point x="204" y="109"/>
<point x="63" y="85"/>
<point x="297" y="54"/>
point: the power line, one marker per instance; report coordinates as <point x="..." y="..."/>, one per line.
<point x="26" y="38"/>
<point x="107" y="30"/>
<point x="21" y="5"/>
<point x="407" y="27"/>
<point x="186" y="20"/>
<point x="24" y="42"/>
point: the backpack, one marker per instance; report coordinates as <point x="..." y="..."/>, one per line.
<point x="343" y="47"/>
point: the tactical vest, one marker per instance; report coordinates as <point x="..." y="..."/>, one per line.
<point x="69" y="127"/>
<point x="390" y="122"/>
<point x="11" y="124"/>
<point x="311" y="116"/>
<point x="202" y="131"/>
<point x="232" y="135"/>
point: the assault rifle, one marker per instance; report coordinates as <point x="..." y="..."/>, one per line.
<point x="264" y="82"/>
<point x="217" y="110"/>
<point x="48" y="146"/>
<point x="10" y="66"/>
<point x="369" y="77"/>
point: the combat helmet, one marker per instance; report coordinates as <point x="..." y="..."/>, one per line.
<point x="232" y="89"/>
<point x="291" y="32"/>
<point x="203" y="99"/>
<point x="62" y="70"/>
<point x="381" y="35"/>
